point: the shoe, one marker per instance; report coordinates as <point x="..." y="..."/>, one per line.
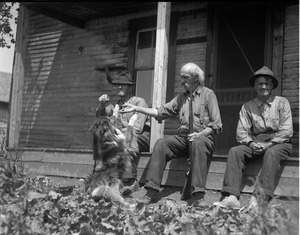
<point x="197" y="200"/>
<point x="229" y="202"/>
<point x="197" y="196"/>
<point x="129" y="189"/>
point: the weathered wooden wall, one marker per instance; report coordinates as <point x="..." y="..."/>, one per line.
<point x="61" y="86"/>
<point x="290" y="86"/>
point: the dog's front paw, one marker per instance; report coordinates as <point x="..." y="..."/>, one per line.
<point x="132" y="120"/>
<point x="120" y="135"/>
<point x="104" y="98"/>
<point x="116" y="110"/>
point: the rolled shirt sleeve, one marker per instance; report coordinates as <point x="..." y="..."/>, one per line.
<point x="206" y="111"/>
<point x="142" y="118"/>
<point x="169" y="109"/>
<point x="285" y="122"/>
<point x="214" y="113"/>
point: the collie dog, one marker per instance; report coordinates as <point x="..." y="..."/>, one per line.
<point x="112" y="157"/>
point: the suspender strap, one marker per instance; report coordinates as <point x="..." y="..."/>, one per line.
<point x="203" y="104"/>
<point x="191" y="114"/>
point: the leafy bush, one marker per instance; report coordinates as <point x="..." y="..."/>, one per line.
<point x="36" y="206"/>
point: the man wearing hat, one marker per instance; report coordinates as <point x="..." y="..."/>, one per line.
<point x="264" y="130"/>
<point x="141" y="125"/>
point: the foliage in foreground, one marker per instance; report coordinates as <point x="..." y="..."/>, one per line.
<point x="35" y="206"/>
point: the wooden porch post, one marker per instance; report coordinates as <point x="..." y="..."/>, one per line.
<point x="278" y="38"/>
<point x="160" y="67"/>
<point x="16" y="94"/>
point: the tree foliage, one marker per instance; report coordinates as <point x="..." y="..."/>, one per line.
<point x="6" y="32"/>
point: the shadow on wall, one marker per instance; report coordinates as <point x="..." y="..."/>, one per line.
<point x="61" y="85"/>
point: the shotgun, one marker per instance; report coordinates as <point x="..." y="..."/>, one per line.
<point x="187" y="188"/>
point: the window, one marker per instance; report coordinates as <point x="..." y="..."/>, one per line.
<point x="141" y="55"/>
<point x="144" y="63"/>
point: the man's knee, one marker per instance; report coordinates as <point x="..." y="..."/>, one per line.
<point x="202" y="143"/>
<point x="234" y="153"/>
<point x="160" y="143"/>
<point x="271" y="156"/>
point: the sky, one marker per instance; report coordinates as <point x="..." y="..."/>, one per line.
<point x="7" y="55"/>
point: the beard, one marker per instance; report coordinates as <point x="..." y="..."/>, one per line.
<point x="121" y="93"/>
<point x="186" y="86"/>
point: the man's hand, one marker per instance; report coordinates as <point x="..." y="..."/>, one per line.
<point x="104" y="98"/>
<point x="127" y="108"/>
<point x="195" y="135"/>
<point x="257" y="149"/>
<point x="191" y="137"/>
<point x="260" y="147"/>
<point x="266" y="145"/>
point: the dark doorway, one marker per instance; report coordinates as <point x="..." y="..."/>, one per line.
<point x="241" y="45"/>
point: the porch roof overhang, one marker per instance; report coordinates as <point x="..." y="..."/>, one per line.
<point x="78" y="13"/>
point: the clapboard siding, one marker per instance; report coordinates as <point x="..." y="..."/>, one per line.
<point x="290" y="85"/>
<point x="61" y="86"/>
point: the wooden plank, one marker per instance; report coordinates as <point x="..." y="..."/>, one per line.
<point x="218" y="165"/>
<point x="287" y="182"/>
<point x="58" y="16"/>
<point x="64" y="162"/>
<point x="16" y="96"/>
<point x="160" y="67"/>
<point x="278" y="40"/>
<point x="54" y="169"/>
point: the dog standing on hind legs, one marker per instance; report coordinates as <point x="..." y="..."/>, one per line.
<point x="112" y="157"/>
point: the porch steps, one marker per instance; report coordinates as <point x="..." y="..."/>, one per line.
<point x="79" y="163"/>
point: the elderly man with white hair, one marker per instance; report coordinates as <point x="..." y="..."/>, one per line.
<point x="196" y="144"/>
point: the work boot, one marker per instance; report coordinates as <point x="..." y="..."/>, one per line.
<point x="198" y="196"/>
<point x="130" y="187"/>
<point x="197" y="200"/>
<point x="229" y="202"/>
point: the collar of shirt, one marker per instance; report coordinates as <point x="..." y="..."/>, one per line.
<point x="198" y="91"/>
<point x="267" y="102"/>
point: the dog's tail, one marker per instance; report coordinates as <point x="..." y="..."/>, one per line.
<point x="109" y="192"/>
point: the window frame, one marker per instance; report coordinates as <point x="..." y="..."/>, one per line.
<point x="151" y="22"/>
